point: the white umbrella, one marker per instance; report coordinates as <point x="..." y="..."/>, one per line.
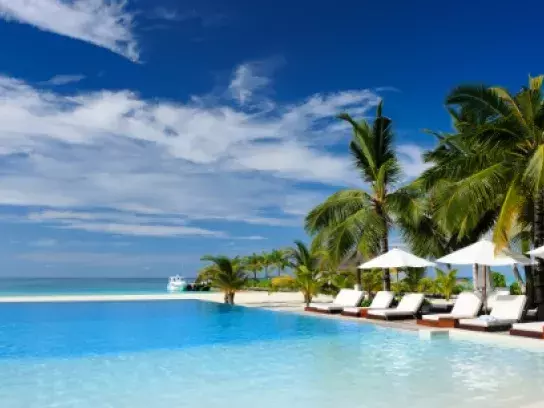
<point x="483" y="253"/>
<point x="538" y="252"/>
<point x="396" y="258"/>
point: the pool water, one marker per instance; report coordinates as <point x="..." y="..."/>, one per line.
<point x="199" y="354"/>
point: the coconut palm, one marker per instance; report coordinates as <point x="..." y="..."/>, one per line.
<point x="279" y="260"/>
<point x="504" y="169"/>
<point x="307" y="276"/>
<point x="228" y="275"/>
<point x="266" y="262"/>
<point x="446" y="282"/>
<point x="356" y="220"/>
<point x="253" y="264"/>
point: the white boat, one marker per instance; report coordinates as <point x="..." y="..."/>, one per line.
<point x="176" y="284"/>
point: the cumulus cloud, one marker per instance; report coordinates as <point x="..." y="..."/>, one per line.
<point x="105" y="23"/>
<point x="113" y="162"/>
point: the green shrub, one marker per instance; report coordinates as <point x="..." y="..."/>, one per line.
<point x="515" y="289"/>
<point x="499" y="280"/>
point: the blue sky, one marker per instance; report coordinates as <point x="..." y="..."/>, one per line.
<point x="138" y="135"/>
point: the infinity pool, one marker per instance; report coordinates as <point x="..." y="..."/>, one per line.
<point x="198" y="354"/>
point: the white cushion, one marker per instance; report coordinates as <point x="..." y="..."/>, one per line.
<point x="435" y="317"/>
<point x="467" y="305"/>
<point x="348" y="298"/>
<point x="537" y="327"/>
<point x="328" y="306"/>
<point x="391" y="312"/>
<point x="382" y="300"/>
<point x="486" y="323"/>
<point x="509" y="307"/>
<point x="410" y="302"/>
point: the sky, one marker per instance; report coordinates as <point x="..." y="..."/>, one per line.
<point x="138" y="135"/>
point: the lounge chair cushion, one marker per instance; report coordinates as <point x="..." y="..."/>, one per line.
<point x="482" y="322"/>
<point x="468" y="304"/>
<point x="537" y="327"/>
<point x="345" y="298"/>
<point x="382" y="300"/>
<point x="507" y="310"/>
<point x="409" y="305"/>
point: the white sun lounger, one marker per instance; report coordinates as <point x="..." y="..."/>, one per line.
<point x="406" y="309"/>
<point x="507" y="310"/>
<point x="467" y="306"/>
<point x="534" y="330"/>
<point x="382" y="300"/>
<point x="345" y="298"/>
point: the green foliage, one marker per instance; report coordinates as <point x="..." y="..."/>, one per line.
<point x="227" y="275"/>
<point x="285" y="282"/>
<point x="307" y="277"/>
<point x="427" y="285"/>
<point x="412" y="278"/>
<point x="446" y="282"/>
<point x="498" y="279"/>
<point x="372" y="281"/>
<point x="352" y="221"/>
<point x="515" y="289"/>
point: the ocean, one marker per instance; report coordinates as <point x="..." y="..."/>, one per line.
<point x="82" y="286"/>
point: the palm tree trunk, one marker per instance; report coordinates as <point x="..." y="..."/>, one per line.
<point x="386" y="274"/>
<point x="226" y="298"/>
<point x="231" y="298"/>
<point x="538" y="270"/>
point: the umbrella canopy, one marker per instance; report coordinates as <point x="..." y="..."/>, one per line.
<point x="538" y="252"/>
<point x="396" y="258"/>
<point x="483" y="253"/>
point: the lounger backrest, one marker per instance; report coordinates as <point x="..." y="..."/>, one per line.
<point x="492" y="297"/>
<point x="348" y="297"/>
<point x="509" y="307"/>
<point x="382" y="300"/>
<point x="467" y="304"/>
<point x="410" y="302"/>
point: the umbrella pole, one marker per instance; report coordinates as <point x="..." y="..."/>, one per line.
<point x="484" y="292"/>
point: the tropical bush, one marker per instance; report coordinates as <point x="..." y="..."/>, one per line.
<point x="446" y="282"/>
<point x="515" y="289"/>
<point x="284" y="282"/>
<point x="498" y="279"/>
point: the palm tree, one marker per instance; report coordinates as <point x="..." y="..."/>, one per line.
<point x="266" y="262"/>
<point x="354" y="220"/>
<point x="228" y="275"/>
<point x="504" y="170"/>
<point x="446" y="282"/>
<point x="306" y="272"/>
<point x="253" y="264"/>
<point x="279" y="260"/>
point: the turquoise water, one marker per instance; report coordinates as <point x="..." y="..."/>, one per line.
<point x="199" y="354"/>
<point x="82" y="286"/>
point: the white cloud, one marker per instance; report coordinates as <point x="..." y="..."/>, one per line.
<point x="247" y="80"/>
<point x="111" y="161"/>
<point x="411" y="160"/>
<point x="105" y="23"/>
<point x="63" y="79"/>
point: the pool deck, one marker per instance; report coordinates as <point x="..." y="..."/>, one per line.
<point x="292" y="303"/>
